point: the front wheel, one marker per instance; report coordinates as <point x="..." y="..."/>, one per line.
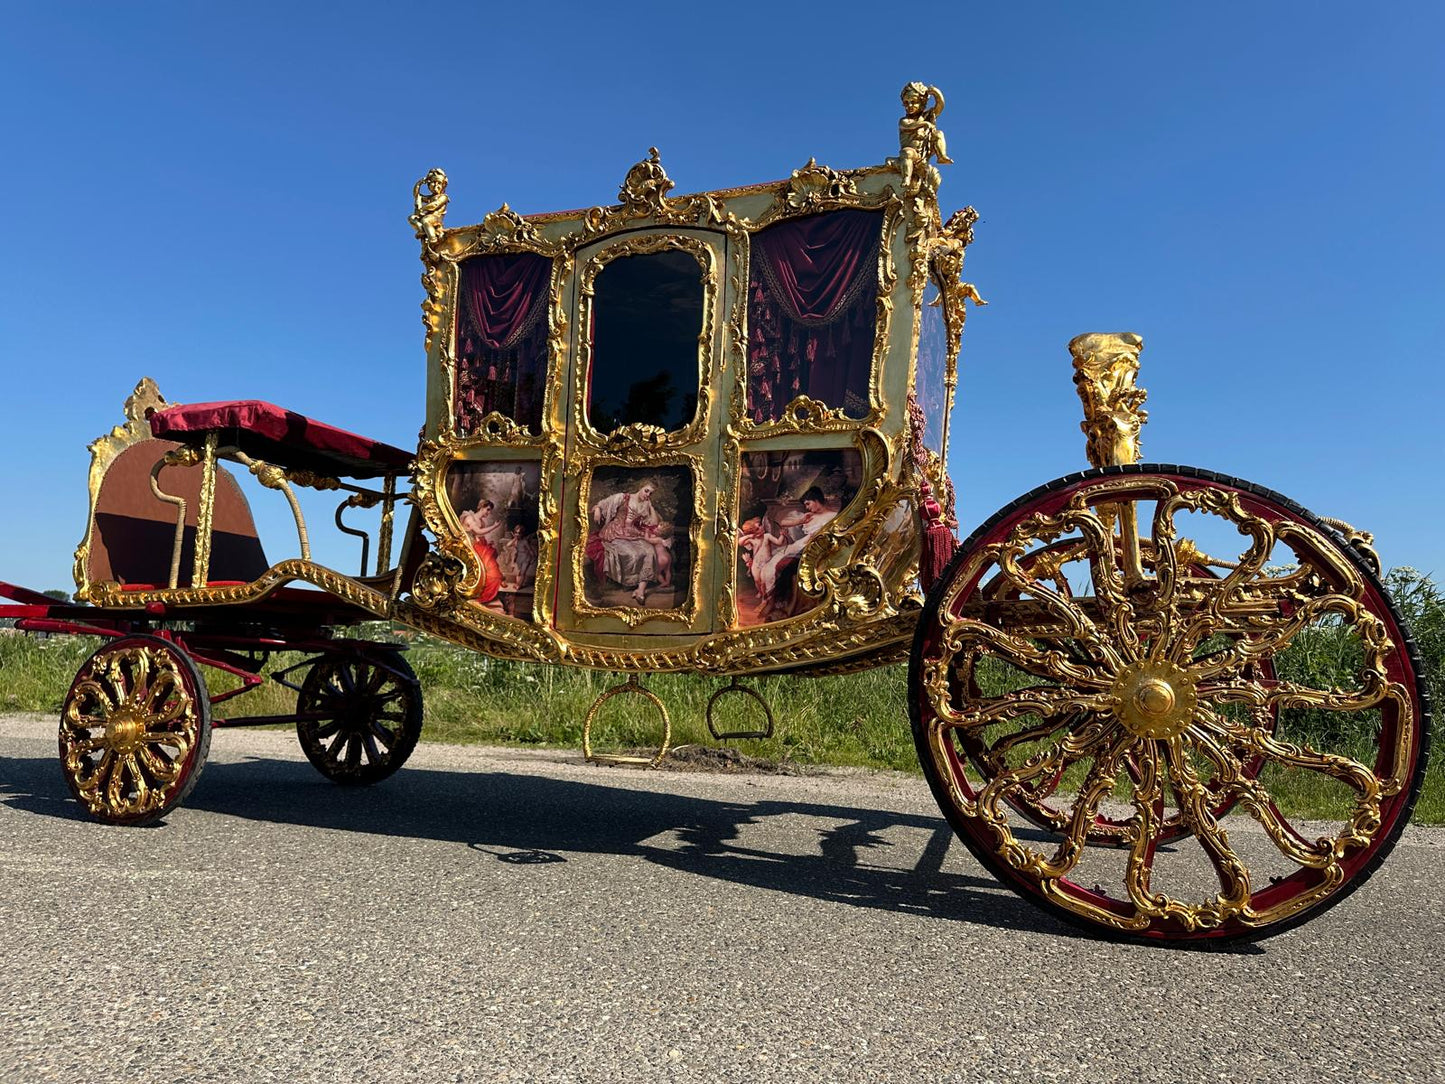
<point x="1214" y="681"/>
<point x="134" y="730"/>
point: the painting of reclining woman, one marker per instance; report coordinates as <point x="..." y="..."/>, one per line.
<point x="497" y="504"/>
<point x="786" y="498"/>
<point x="638" y="549"/>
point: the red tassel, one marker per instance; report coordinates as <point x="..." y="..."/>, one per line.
<point x="938" y="541"/>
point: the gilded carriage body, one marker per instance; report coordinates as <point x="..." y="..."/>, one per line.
<point x="734" y="370"/>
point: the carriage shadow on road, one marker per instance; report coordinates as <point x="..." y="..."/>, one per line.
<point x="524" y="819"/>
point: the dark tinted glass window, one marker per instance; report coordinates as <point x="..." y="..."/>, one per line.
<point x="646" y="319"/>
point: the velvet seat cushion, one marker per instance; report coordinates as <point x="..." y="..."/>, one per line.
<point x="277" y="435"/>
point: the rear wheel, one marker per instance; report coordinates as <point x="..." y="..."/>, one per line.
<point x="1249" y="729"/>
<point x="360" y="715"/>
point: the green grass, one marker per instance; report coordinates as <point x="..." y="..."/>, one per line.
<point x="859" y="719"/>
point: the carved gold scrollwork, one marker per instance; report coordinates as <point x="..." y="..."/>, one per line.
<point x="813" y="187"/>
<point x="498" y="427"/>
<point x="644" y="190"/>
<point x="637" y="439"/>
<point x="644" y="196"/>
<point x="439" y="580"/>
<point x="505" y="227"/>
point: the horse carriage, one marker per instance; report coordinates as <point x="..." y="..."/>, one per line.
<point x="708" y="433"/>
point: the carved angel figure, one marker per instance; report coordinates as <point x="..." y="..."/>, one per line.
<point x="947" y="260"/>
<point x="919" y="137"/>
<point x="431" y="206"/>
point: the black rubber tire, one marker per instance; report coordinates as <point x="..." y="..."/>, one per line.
<point x="992" y="862"/>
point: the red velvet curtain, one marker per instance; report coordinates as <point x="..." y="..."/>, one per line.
<point x="502" y="338"/>
<point x="501" y="295"/>
<point x="812" y="294"/>
<point x="816" y="264"/>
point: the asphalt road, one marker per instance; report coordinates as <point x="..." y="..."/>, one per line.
<point x="492" y="915"/>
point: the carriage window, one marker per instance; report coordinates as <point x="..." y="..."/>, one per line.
<point x="647" y="316"/>
<point x="502" y="339"/>
<point x="812" y="312"/>
<point x="929" y="386"/>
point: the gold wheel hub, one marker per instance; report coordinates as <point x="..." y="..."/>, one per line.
<point x="1154" y="699"/>
<point x="124" y="729"/>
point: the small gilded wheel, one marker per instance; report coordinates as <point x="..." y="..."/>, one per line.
<point x="1249" y="729"/>
<point x="134" y="730"/>
<point x="359" y="716"/>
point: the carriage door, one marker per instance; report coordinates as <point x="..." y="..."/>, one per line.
<point x="639" y="484"/>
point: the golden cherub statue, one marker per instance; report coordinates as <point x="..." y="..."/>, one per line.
<point x="431" y="206"/>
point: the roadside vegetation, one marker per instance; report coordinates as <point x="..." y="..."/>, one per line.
<point x="858" y="719"/>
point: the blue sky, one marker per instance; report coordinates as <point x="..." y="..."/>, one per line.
<point x="217" y="197"/>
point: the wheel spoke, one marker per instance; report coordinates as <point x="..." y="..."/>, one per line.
<point x="160" y="768"/>
<point x="368" y="741"/>
<point x="1046" y="701"/>
<point x="1295" y="755"/>
<point x="1253" y="797"/>
<point x="1079" y="820"/>
<point x="1194" y="803"/>
<point x="1074" y="746"/>
<point x="965" y="635"/>
<point x="353" y="749"/>
<point x="1100" y="546"/>
<point x="1271" y="694"/>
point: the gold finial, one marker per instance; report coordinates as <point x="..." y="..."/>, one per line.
<point x="1105" y="366"/>
<point x="644" y="190"/>
<point x="431" y="206"/>
<point x="920" y="138"/>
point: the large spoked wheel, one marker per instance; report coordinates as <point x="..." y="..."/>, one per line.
<point x="359" y="716"/>
<point x="134" y="730"/>
<point x="1213" y="681"/>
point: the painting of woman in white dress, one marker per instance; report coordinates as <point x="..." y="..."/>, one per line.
<point x="786" y="499"/>
<point x="637" y="538"/>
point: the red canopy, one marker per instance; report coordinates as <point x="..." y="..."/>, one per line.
<point x="276" y="435"/>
